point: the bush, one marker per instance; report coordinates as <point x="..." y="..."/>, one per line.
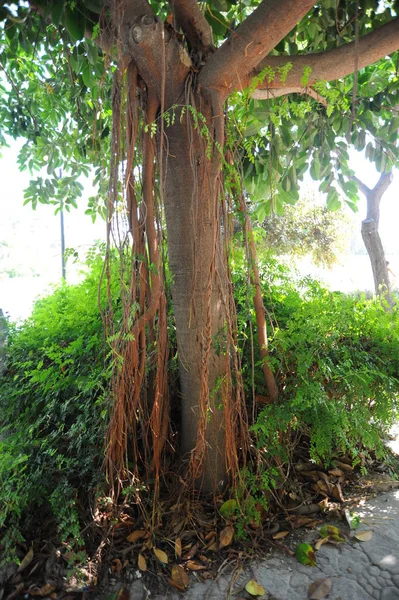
<point x="53" y="406"/>
<point x="336" y="360"/>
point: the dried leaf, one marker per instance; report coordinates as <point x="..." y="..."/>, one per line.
<point x="178" y="547"/>
<point x="318" y="543"/>
<point x="254" y="588"/>
<point x="137" y="535"/>
<point x="343" y="466"/>
<point x="336" y="492"/>
<point x="320" y="589"/>
<point x="116" y="566"/>
<point x="192" y="552"/>
<point x="228" y="509"/>
<point x="280" y="535"/>
<point x="192" y="565"/>
<point x="363" y="536"/>
<point x="161" y="556"/>
<point x="179" y="576"/>
<point x="213" y="547"/>
<point x="141" y="563"/>
<point x="46" y="590"/>
<point x="305" y="555"/>
<point x="178" y="586"/>
<point x="323" y="486"/>
<point x="226" y="536"/>
<point x="336" y="472"/>
<point x="26" y="560"/>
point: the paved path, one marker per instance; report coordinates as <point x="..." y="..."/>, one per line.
<point x="358" y="570"/>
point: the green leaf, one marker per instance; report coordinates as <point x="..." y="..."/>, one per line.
<point x="229" y="508"/>
<point x="56" y="12"/>
<point x="328" y="530"/>
<point x="75" y="24"/>
<point x="333" y="201"/>
<point x="305" y="554"/>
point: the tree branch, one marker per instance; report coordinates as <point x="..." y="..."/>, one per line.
<point x="270" y="94"/>
<point x="194" y="25"/>
<point x="383" y="184"/>
<point x="228" y="68"/>
<point x="145" y="40"/>
<point x="331" y="64"/>
<point x="362" y="186"/>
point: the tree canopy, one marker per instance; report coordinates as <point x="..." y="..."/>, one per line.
<point x="327" y="79"/>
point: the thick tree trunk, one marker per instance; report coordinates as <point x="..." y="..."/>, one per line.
<point x="371" y="236"/>
<point x="199" y="293"/>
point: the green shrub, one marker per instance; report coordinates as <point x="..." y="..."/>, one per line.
<point x="53" y="407"/>
<point x="336" y="359"/>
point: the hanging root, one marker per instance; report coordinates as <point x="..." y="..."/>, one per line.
<point x="139" y="420"/>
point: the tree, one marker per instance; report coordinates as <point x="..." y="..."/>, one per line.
<point x="308" y="228"/>
<point x="371" y="236"/>
<point x="189" y="126"/>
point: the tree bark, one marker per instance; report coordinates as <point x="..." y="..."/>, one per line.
<point x="199" y="290"/>
<point x="371" y="236"/>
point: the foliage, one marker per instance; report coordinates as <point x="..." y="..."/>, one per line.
<point x="53" y="399"/>
<point x="55" y="94"/>
<point x="308" y="228"/>
<point x="336" y="361"/>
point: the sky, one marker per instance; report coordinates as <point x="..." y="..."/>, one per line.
<point x="34" y="249"/>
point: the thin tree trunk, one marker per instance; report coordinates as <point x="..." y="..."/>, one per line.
<point x="371" y="236"/>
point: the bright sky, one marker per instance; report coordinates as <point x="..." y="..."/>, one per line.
<point x="33" y="238"/>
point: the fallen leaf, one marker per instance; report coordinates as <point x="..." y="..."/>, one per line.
<point x="116" y="566"/>
<point x="179" y="576"/>
<point x="178" y="548"/>
<point x="26" y="560"/>
<point x="353" y="519"/>
<point x="254" y="588"/>
<point x="192" y="552"/>
<point x="336" y="472"/>
<point x="178" y="586"/>
<point x="228" y="508"/>
<point x="305" y="555"/>
<point x="280" y="535"/>
<point x="327" y="530"/>
<point x="323" y="487"/>
<point x="137" y="535"/>
<point x="344" y="466"/>
<point x="192" y="565"/>
<point x="363" y="536"/>
<point x="319" y="543"/>
<point x="226" y="536"/>
<point x="320" y="589"/>
<point x="336" y="492"/>
<point x="46" y="590"/>
<point x="161" y="556"/>
<point x="141" y="563"/>
<point x="213" y="547"/>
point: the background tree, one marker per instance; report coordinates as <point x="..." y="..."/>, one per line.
<point x="308" y="228"/>
<point x="189" y="123"/>
<point x="371" y="236"/>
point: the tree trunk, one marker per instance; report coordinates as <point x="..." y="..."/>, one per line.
<point x="371" y="236"/>
<point x="199" y="290"/>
